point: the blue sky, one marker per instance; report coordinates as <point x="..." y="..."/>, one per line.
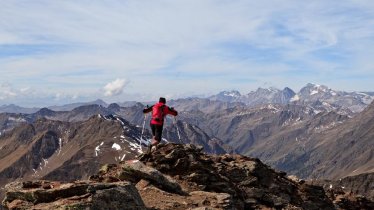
<point x="58" y="52"/>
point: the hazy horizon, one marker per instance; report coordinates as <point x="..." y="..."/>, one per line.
<point x="61" y="103"/>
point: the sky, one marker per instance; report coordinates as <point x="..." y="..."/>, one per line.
<point x="60" y="52"/>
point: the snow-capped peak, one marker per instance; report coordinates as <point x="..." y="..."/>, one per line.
<point x="313" y="89"/>
<point x="232" y="93"/>
<point x="318" y="89"/>
<point x="270" y="89"/>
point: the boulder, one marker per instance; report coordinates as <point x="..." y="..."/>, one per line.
<point x="80" y="194"/>
<point x="135" y="171"/>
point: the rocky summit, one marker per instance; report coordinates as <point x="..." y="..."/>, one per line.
<point x="182" y="177"/>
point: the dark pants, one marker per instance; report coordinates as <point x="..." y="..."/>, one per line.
<point x="157" y="131"/>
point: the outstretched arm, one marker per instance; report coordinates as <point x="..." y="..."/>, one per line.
<point x="171" y="111"/>
<point x="148" y="109"/>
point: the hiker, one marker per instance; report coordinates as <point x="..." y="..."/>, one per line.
<point x="159" y="112"/>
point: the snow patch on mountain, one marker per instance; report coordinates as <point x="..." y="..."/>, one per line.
<point x="97" y="149"/>
<point x="313" y="92"/>
<point x="366" y="99"/>
<point x="316" y="111"/>
<point x="231" y="93"/>
<point x="19" y="119"/>
<point x="42" y="165"/>
<point x="291" y="121"/>
<point x="60" y="146"/>
<point x="273" y="108"/>
<point x="45" y="162"/>
<point x="327" y="127"/>
<point x="135" y="147"/>
<point x="295" y="98"/>
<point x="244" y="113"/>
<point x="116" y="147"/>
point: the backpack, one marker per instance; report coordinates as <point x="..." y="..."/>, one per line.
<point x="158" y="112"/>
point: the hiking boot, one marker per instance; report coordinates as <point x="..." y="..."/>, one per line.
<point x="149" y="149"/>
<point x="143" y="157"/>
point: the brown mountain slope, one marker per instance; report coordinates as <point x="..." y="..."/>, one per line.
<point x="66" y="151"/>
<point x="290" y="146"/>
<point x="58" y="150"/>
<point x="348" y="149"/>
<point x="344" y="150"/>
<point x="248" y="129"/>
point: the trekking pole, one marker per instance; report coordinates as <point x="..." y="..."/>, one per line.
<point x="176" y="125"/>
<point x="141" y="136"/>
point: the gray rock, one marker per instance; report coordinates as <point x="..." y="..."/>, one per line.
<point x="76" y="195"/>
<point x="136" y="170"/>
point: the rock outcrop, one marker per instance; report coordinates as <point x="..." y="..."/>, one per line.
<point x="246" y="182"/>
<point x="181" y="177"/>
<point x="76" y="195"/>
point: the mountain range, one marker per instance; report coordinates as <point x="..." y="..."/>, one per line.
<point x="307" y="95"/>
<point x="295" y="138"/>
<point x="316" y="133"/>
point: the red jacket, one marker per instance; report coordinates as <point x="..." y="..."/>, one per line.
<point x="159" y="112"/>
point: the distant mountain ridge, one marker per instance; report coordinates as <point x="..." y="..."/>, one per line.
<point x="309" y="94"/>
<point x="69" y="107"/>
<point x="12" y="108"/>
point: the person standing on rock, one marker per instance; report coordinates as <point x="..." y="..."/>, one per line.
<point x="159" y="112"/>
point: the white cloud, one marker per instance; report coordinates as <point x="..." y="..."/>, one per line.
<point x="7" y="91"/>
<point x="25" y="90"/>
<point x="75" y="97"/>
<point x="58" y="96"/>
<point x="115" y="87"/>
